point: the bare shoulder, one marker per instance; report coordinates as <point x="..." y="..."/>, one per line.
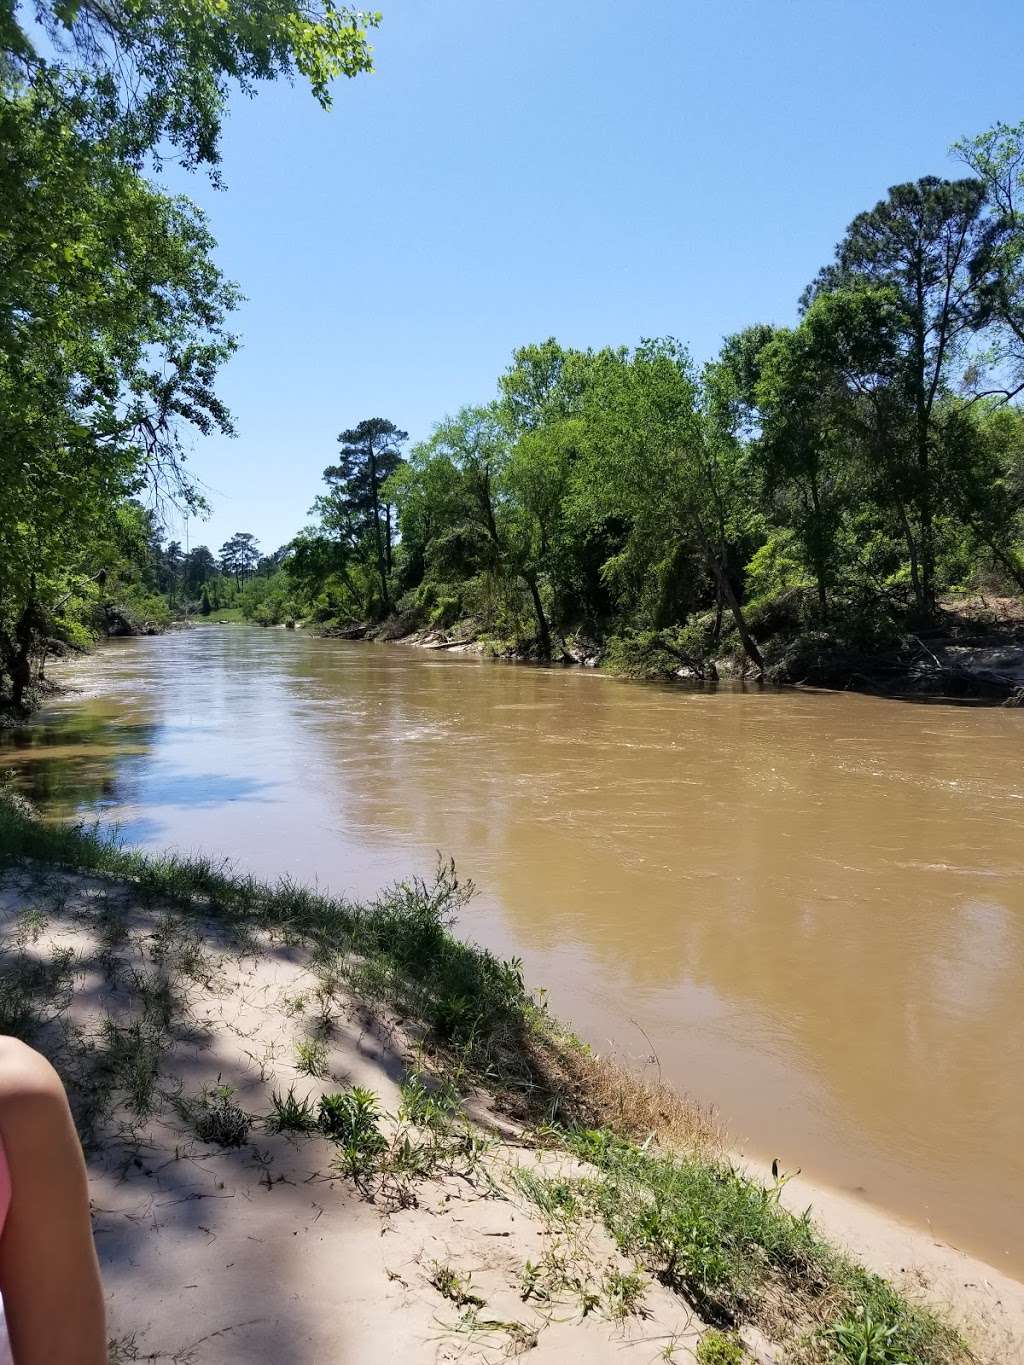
<point x="25" y="1074"/>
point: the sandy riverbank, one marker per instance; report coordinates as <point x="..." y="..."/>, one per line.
<point x="268" y="1250"/>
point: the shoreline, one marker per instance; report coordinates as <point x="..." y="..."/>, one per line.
<point x="973" y="672"/>
<point x="984" y="1300"/>
<point x="85" y="873"/>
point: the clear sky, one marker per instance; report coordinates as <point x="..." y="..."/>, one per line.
<point x="591" y="170"/>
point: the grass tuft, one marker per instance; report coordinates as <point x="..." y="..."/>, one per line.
<point x="290" y="1114"/>
<point x="214" y="1117"/>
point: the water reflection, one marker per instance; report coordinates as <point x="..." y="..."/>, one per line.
<point x="813" y="905"/>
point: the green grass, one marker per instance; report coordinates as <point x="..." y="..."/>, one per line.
<point x="289" y="1114"/>
<point x="221" y="615"/>
<point x="721" y="1240"/>
<point x="729" y="1246"/>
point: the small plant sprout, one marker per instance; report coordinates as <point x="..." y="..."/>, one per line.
<point x="351" y="1119"/>
<point x="311" y="1058"/>
<point x="720" y="1348"/>
<point x="863" y="1338"/>
<point x="289" y="1114"/>
<point x="454" y="1287"/>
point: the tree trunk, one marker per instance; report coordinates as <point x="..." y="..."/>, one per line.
<point x="17" y="654"/>
<point x="378" y="539"/>
<point x="728" y="596"/>
<point x="732" y="602"/>
<point x="543" y="632"/>
<point x="820" y="571"/>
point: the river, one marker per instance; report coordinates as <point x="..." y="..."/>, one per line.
<point x="809" y="907"/>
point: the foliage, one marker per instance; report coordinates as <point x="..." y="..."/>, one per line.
<point x="863" y="1338"/>
<point x="112" y="312"/>
<point x="829" y="480"/>
<point x="719" y="1348"/>
<point x="166" y="69"/>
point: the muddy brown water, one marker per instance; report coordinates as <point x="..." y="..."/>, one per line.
<point x="810" y="907"/>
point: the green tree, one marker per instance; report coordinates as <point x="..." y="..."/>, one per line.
<point x="112" y="313"/>
<point x="356" y="508"/>
<point x="466" y="488"/>
<point x="655" y="459"/>
<point x="240" y="556"/>
<point x="112" y="327"/>
<point x="997" y="158"/>
<point x="199" y="567"/>
<point x="165" y="67"/>
<point x="918" y="246"/>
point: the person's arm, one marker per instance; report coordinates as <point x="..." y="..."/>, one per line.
<point x="49" y="1276"/>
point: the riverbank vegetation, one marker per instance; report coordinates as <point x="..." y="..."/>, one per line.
<point x="838" y="501"/>
<point x="113" y="314"/>
<point x="613" y="1157"/>
<point x="808" y="501"/>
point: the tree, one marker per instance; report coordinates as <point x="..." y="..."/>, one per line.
<point x="112" y="313"/>
<point x="112" y="329"/>
<point x="997" y="158"/>
<point x="240" y="556"/>
<point x="919" y="246"/>
<point x="770" y="384"/>
<point x="654" y="458"/>
<point x="166" y="67"/>
<point x="171" y="565"/>
<point x="199" y="567"/>
<point x="355" y="506"/>
<point x="463" y="489"/>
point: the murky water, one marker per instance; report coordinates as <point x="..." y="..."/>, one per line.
<point x="812" y="905"/>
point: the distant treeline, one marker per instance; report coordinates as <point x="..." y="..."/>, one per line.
<point x="818" y="484"/>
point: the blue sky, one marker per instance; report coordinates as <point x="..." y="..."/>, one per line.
<point x="590" y="170"/>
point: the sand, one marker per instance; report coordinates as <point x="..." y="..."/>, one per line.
<point x="266" y="1253"/>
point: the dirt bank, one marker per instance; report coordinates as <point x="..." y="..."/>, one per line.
<point x="973" y="652"/>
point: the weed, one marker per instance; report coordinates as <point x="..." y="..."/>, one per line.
<point x="351" y="1119"/>
<point x="31" y="925"/>
<point x="559" y="1200"/>
<point x="719" y="1348"/>
<point x="454" y="1287"/>
<point x="426" y="1106"/>
<point x="311" y="1058"/>
<point x="214" y="1116"/>
<point x="516" y="1337"/>
<point x="623" y="1294"/>
<point x="130" y="1062"/>
<point x="33" y="990"/>
<point x="290" y="1114"/>
<point x="862" y="1338"/>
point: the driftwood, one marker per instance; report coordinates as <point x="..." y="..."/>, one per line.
<point x="357" y="632"/>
